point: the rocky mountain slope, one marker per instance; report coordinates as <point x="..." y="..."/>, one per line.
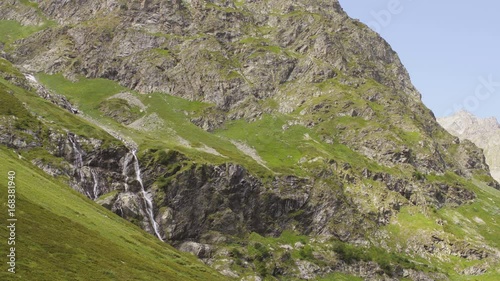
<point x="275" y="140"/>
<point x="60" y="234"/>
<point x="485" y="133"/>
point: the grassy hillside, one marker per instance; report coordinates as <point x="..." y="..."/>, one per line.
<point x="287" y="147"/>
<point x="13" y="30"/>
<point x="281" y="150"/>
<point x="171" y="114"/>
<point x="60" y="236"/>
<point x="472" y="224"/>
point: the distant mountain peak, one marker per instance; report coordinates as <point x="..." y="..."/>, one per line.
<point x="463" y="121"/>
<point x="484" y="132"/>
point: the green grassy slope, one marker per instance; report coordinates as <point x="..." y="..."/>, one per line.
<point x="12" y="31"/>
<point x="280" y="149"/>
<point x="474" y="223"/>
<point x="177" y="132"/>
<point x="300" y="150"/>
<point x="60" y="235"/>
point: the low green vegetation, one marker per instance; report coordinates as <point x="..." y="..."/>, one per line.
<point x="476" y="223"/>
<point x="268" y="254"/>
<point x="60" y="236"/>
<point x="280" y="149"/>
<point x="166" y="120"/>
<point x="120" y="110"/>
<point x="86" y="93"/>
<point x="11" y="106"/>
<point x="340" y="277"/>
<point x="8" y="70"/>
<point x="27" y="105"/>
<point x="11" y="30"/>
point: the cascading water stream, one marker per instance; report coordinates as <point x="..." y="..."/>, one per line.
<point x="78" y="157"/>
<point x="96" y="184"/>
<point x="148" y="203"/>
<point x="126" y="160"/>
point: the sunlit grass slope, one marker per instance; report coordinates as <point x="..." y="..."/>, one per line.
<point x="281" y="150"/>
<point x="61" y="235"/>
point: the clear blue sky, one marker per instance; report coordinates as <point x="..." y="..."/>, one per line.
<point x="448" y="47"/>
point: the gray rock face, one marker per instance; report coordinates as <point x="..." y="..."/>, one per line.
<point x="200" y="250"/>
<point x="279" y="50"/>
<point x="485" y="133"/>
<point x="24" y="14"/>
<point x="211" y="51"/>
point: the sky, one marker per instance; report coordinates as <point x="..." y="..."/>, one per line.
<point x="450" y="48"/>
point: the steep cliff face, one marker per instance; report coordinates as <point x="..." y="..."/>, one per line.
<point x="273" y="139"/>
<point x="485" y="133"/>
<point x="216" y="51"/>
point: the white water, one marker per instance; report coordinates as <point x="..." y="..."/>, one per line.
<point x="88" y="194"/>
<point x="31" y="78"/>
<point x="125" y="170"/>
<point x="148" y="203"/>
<point x="96" y="184"/>
<point x="78" y="157"/>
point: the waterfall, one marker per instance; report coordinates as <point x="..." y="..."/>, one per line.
<point x="96" y="184"/>
<point x="78" y="157"/>
<point x="148" y="203"/>
<point x="126" y="160"/>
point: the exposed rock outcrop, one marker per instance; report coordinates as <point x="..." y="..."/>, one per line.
<point x="147" y="47"/>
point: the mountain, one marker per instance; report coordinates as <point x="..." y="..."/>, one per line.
<point x="59" y="234"/>
<point x="485" y="133"/>
<point x="275" y="140"/>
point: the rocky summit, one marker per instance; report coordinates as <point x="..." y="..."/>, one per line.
<point x="274" y="140"/>
<point x="485" y="133"/>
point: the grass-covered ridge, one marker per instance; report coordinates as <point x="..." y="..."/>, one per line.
<point x="10" y="31"/>
<point x="170" y="115"/>
<point x="286" y="145"/>
<point x="31" y="111"/>
<point x="61" y="235"/>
